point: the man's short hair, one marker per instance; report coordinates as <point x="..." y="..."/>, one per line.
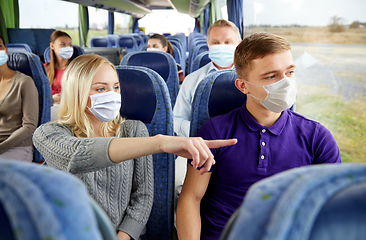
<point x="257" y="45"/>
<point x="224" y="23"/>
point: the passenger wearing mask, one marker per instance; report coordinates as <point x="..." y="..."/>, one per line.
<point x="159" y="42"/>
<point x="111" y="155"/>
<point x="18" y="111"/>
<point x="271" y="139"/>
<point x="61" y="51"/>
<point x="222" y="38"/>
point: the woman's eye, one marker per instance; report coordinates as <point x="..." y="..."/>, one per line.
<point x="116" y="88"/>
<point x="100" y="89"/>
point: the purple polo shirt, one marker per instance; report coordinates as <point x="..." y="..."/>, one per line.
<point x="293" y="141"/>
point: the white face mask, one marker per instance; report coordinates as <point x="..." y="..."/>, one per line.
<point x="153" y="50"/>
<point x="105" y="106"/>
<point x="3" y="57"/>
<point x="66" y="52"/>
<point x="281" y="95"/>
<point x="222" y="54"/>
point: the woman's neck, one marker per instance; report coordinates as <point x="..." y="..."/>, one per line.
<point x="61" y="63"/>
<point x="6" y="73"/>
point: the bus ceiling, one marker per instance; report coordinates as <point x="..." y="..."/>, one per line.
<point x="139" y="8"/>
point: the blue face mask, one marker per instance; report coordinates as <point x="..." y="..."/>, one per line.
<point x="3" y="57"/>
<point x="222" y="54"/>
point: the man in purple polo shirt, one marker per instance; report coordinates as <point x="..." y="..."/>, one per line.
<point x="271" y="139"/>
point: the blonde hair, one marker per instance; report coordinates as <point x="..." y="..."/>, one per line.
<point x="76" y="83"/>
<point x="257" y="45"/>
<point x="224" y="23"/>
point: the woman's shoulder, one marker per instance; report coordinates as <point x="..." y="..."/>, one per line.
<point x="23" y="79"/>
<point x="55" y="127"/>
<point x="133" y="128"/>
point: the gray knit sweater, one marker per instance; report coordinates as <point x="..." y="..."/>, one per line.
<point x="125" y="190"/>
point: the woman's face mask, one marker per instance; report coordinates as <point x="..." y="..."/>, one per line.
<point x="3" y="57"/>
<point x="66" y="52"/>
<point x="281" y="95"/>
<point x="105" y="106"/>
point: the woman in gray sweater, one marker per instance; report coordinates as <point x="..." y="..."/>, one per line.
<point x="92" y="141"/>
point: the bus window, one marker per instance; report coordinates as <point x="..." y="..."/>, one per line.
<point x="329" y="48"/>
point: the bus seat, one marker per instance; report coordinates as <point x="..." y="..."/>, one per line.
<point x="30" y="64"/>
<point x="178" y="47"/>
<point x="145" y="97"/>
<point x="100" y="41"/>
<point x="314" y="202"/>
<point x="216" y="94"/>
<point x="162" y="63"/>
<point x="18" y="47"/>
<point x="45" y="203"/>
<point x="77" y="52"/>
<point x="37" y="39"/>
<point x="200" y="60"/>
<point x="201" y="47"/>
<point x="128" y="42"/>
<point x="113" y="39"/>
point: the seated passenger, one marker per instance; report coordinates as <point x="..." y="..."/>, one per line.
<point x="271" y="139"/>
<point x="159" y="42"/>
<point x="18" y="111"/>
<point x="61" y="51"/>
<point x="90" y="139"/>
<point x="222" y="38"/>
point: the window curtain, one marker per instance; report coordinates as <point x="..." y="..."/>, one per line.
<point x="83" y="25"/>
<point x="197" y="25"/>
<point x="206" y="19"/>
<point x="235" y="13"/>
<point x="110" y="22"/>
<point x="213" y="17"/>
<point x="9" y="17"/>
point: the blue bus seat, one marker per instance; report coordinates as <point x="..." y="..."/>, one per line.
<point x="30" y="64"/>
<point x="162" y="63"/>
<point x="113" y="40"/>
<point x="77" y="52"/>
<point x="18" y="47"/>
<point x="37" y="39"/>
<point x="128" y="42"/>
<point x="325" y="201"/>
<point x="202" y="47"/>
<point x="100" y="41"/>
<point x="45" y="203"/>
<point x="200" y="60"/>
<point x="145" y="97"/>
<point x="216" y="94"/>
<point x="178" y="47"/>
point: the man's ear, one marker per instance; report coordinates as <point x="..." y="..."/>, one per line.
<point x="241" y="85"/>
<point x="165" y="48"/>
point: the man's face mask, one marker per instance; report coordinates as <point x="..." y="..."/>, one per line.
<point x="281" y="95"/>
<point x="105" y="106"/>
<point x="222" y="54"/>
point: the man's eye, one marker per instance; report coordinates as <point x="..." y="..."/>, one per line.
<point x="271" y="77"/>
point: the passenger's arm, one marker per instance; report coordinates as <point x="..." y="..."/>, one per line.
<point x="30" y="110"/>
<point x="182" y="109"/>
<point x="62" y="150"/>
<point x="122" y="149"/>
<point x="325" y="147"/>
<point x="188" y="210"/>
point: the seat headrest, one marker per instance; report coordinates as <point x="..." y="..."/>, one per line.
<point x="20" y="62"/>
<point x="224" y="95"/>
<point x="125" y="42"/>
<point x="100" y="42"/>
<point x="153" y="60"/>
<point x="138" y="95"/>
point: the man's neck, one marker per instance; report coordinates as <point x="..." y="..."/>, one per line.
<point x="222" y="68"/>
<point x="262" y="115"/>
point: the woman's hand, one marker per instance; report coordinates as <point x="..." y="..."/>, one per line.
<point x="123" y="236"/>
<point x="194" y="148"/>
<point x="56" y="98"/>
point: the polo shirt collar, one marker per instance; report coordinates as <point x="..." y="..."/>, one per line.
<point x="213" y="68"/>
<point x="253" y="125"/>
